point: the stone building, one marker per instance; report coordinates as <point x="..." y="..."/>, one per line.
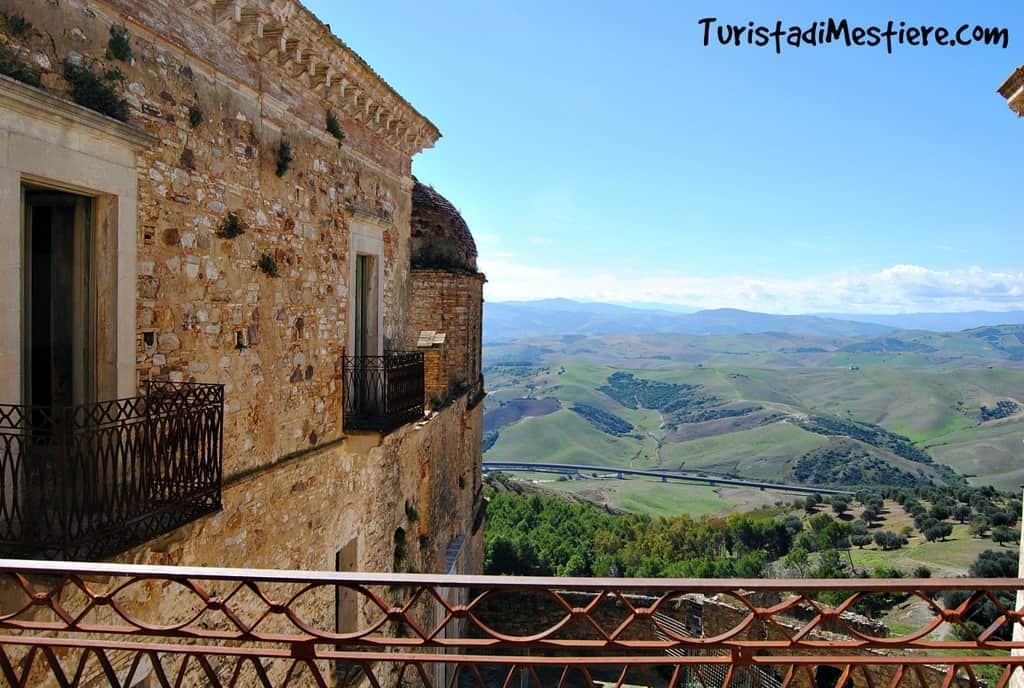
<point x="217" y="268"/>
<point x="1013" y="90"/>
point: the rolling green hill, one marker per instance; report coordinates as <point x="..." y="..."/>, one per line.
<point x="760" y="406"/>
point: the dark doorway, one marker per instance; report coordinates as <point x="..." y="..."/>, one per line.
<point x="57" y="308"/>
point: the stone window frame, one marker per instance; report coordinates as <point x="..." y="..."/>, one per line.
<point x="365" y="240"/>
<point x="48" y="141"/>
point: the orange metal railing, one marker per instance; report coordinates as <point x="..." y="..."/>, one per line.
<point x="114" y="623"/>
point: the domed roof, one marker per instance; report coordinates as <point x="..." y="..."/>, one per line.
<point x="440" y="237"/>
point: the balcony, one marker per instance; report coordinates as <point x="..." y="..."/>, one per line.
<point x="83" y="622"/>
<point x="90" y="481"/>
<point x="382" y="393"/>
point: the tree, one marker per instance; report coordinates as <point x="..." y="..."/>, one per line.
<point x="888" y="540"/>
<point x="982" y="614"/>
<point x="861" y="540"/>
<point x="939" y="530"/>
<point x="797" y="560"/>
<point x="870" y="514"/>
<point x="940" y="511"/>
<point x="1003" y="534"/>
<point x="978" y="525"/>
<point x="961" y="513"/>
<point x="840" y="504"/>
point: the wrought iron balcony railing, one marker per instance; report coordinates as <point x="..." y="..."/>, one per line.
<point x="383" y="392"/>
<point x="106" y="624"/>
<point x="90" y="481"/>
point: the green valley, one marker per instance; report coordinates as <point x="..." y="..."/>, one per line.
<point x="906" y="409"/>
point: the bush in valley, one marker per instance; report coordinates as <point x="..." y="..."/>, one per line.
<point x="989" y="564"/>
<point x="1002" y="409"/>
<point x="633" y="392"/>
<point x="868" y="433"/>
<point x="879" y="437"/>
<point x="602" y="420"/>
<point x="547" y="536"/>
<point x="844" y="463"/>
<point x="707" y="414"/>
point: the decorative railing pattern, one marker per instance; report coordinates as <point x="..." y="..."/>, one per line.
<point x="206" y="626"/>
<point x="89" y="481"/>
<point x="383" y="392"/>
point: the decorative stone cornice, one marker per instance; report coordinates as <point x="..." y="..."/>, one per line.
<point x="39" y="104"/>
<point x="1013" y="90"/>
<point x="285" y="32"/>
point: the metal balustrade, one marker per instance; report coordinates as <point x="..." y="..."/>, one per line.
<point x="90" y="481"/>
<point x="109" y="624"/>
<point x="383" y="392"/>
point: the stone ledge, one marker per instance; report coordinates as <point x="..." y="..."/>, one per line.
<point x="40" y="104"/>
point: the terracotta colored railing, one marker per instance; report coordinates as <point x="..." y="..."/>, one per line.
<point x="113" y="623"/>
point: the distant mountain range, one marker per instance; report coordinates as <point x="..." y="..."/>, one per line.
<point x="510" y="320"/>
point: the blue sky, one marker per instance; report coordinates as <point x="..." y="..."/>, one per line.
<point x="598" y="150"/>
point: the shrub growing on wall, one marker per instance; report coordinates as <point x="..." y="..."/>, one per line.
<point x="195" y="116"/>
<point x="231" y="227"/>
<point x="284" y="157"/>
<point x="17" y="70"/>
<point x="334" y="127"/>
<point x="95" y="92"/>
<point x="118" y="45"/>
<point x="18" y="25"/>
<point x="268" y="266"/>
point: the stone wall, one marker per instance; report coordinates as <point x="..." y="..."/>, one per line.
<point x="199" y="294"/>
<point x="297" y="490"/>
<point x="451" y="303"/>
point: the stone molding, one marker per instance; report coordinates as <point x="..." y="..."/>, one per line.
<point x="285" y="33"/>
<point x="39" y="104"/>
<point x="1013" y="90"/>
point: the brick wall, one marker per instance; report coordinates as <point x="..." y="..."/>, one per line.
<point x="451" y="303"/>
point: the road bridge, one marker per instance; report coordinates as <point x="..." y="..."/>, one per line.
<point x="664" y="476"/>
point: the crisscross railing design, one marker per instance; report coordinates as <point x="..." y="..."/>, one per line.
<point x="383" y="392"/>
<point x="234" y="627"/>
<point x="89" y="481"/>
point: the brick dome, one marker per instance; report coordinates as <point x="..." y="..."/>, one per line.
<point x="440" y="237"/>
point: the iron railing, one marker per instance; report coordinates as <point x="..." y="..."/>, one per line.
<point x="90" y="481"/>
<point x="107" y="624"/>
<point x="383" y="392"/>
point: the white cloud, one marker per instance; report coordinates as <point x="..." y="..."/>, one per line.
<point x="896" y="289"/>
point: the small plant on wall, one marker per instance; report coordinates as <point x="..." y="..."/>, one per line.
<point x="284" y="157"/>
<point x="118" y="45"/>
<point x="18" y="25"/>
<point x="334" y="127"/>
<point x="400" y="546"/>
<point x="95" y="92"/>
<point x="195" y="116"/>
<point x="268" y="266"/>
<point x="17" y="70"/>
<point x="231" y="227"/>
